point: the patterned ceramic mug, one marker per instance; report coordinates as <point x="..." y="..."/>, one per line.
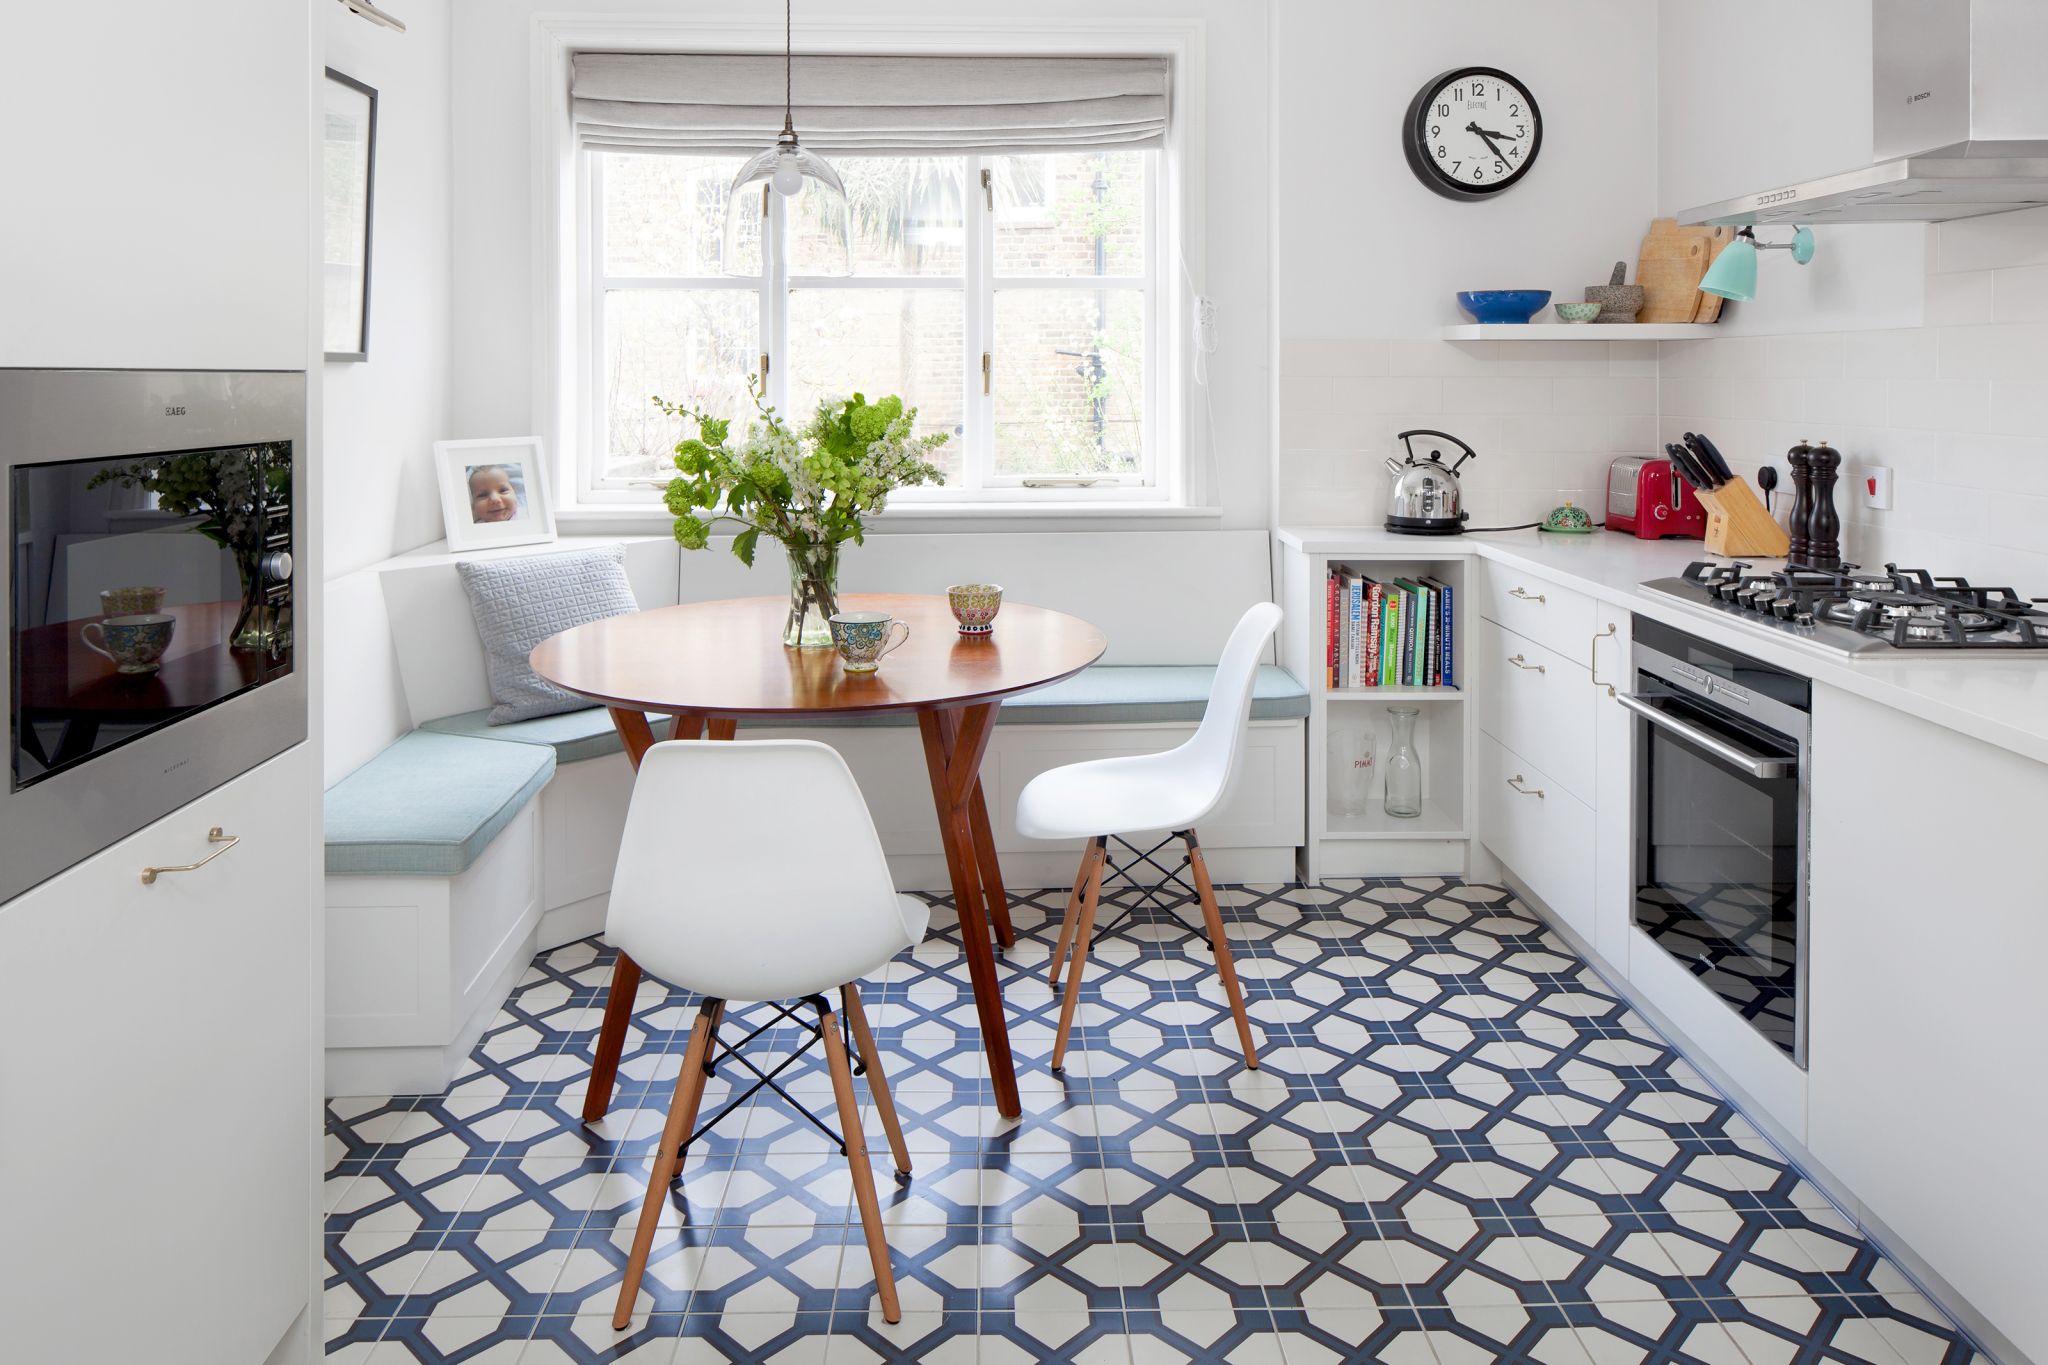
<point x="136" y="644"/>
<point x="975" y="606"/>
<point x="136" y="601"/>
<point x="862" y="638"/>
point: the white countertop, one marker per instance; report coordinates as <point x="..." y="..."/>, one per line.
<point x="1999" y="698"/>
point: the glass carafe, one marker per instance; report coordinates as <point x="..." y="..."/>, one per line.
<point x="1402" y="769"/>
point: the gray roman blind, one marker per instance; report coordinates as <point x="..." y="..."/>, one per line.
<point x="732" y="104"/>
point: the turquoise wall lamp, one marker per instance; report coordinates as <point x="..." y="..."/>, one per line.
<point x="1733" y="273"/>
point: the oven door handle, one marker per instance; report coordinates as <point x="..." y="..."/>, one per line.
<point x="1756" y="765"/>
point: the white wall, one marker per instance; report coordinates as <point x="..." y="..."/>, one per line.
<point x="1753" y="94"/>
<point x="384" y="414"/>
<point x="497" y="277"/>
<point x="1370" y="260"/>
<point x="380" y="417"/>
<point x="155" y="186"/>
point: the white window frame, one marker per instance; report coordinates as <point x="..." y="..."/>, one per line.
<point x="978" y="286"/>
<point x="1179" y="438"/>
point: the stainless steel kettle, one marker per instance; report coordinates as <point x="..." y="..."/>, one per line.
<point x="1424" y="499"/>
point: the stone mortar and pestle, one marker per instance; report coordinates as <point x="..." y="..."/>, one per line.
<point x="1618" y="302"/>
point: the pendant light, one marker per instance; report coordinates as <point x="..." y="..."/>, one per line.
<point x="789" y="168"/>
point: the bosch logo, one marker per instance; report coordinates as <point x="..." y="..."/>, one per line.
<point x="1923" y="95"/>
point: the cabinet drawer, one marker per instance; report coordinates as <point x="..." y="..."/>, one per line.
<point x="1547" y="839"/>
<point x="1536" y="702"/>
<point x="1539" y="610"/>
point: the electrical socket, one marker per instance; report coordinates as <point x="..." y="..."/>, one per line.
<point x="1877" y="488"/>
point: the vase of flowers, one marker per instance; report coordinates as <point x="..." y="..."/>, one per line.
<point x="227" y="493"/>
<point x="807" y="488"/>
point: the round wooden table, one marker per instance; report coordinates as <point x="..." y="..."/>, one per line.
<point x="708" y="665"/>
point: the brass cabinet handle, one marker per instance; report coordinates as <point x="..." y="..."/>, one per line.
<point x="1527" y="596"/>
<point x="1593" y="656"/>
<point x="213" y="836"/>
<point x="1519" y="662"/>
<point x="1516" y="783"/>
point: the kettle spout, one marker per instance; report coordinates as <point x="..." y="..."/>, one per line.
<point x="1395" y="466"/>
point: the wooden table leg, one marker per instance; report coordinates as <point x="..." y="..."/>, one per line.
<point x="638" y="737"/>
<point x="953" y="753"/>
<point x="991" y="870"/>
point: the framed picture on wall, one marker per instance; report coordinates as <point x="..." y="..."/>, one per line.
<point x="494" y="492"/>
<point x="348" y="174"/>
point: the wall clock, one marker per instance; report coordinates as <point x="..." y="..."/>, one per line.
<point x="1472" y="132"/>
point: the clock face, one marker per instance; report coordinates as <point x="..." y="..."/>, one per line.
<point x="1472" y="132"/>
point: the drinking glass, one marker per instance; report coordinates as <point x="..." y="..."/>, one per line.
<point x="1350" y="769"/>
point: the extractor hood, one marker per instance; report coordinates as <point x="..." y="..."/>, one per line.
<point x="1959" y="123"/>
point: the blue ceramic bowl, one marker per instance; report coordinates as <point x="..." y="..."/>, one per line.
<point x="1503" y="305"/>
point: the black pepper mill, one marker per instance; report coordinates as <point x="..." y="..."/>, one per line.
<point x="1824" y="526"/>
<point x="1799" y="457"/>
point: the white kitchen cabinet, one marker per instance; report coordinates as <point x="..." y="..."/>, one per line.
<point x="1537" y="702"/>
<point x="1537" y="608"/>
<point x="1540" y="830"/>
<point x="1613" y="796"/>
<point x="158" y="1108"/>
<point x="158" y="166"/>
<point x="1929" y="1093"/>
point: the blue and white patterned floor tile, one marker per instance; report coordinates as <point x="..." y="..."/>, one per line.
<point x="1461" y="1146"/>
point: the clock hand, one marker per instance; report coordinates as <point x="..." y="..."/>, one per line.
<point x="1493" y="141"/>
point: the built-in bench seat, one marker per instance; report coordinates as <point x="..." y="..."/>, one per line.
<point x="1107" y="694"/>
<point x="431" y="803"/>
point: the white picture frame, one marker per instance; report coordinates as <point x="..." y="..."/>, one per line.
<point x="479" y="479"/>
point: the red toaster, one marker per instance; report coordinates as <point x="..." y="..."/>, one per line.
<point x="1647" y="499"/>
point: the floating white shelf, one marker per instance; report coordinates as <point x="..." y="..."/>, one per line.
<point x="1394" y="694"/>
<point x="1435" y="822"/>
<point x="1579" y="331"/>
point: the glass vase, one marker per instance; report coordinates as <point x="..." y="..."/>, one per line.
<point x="1403" y="769"/>
<point x="813" y="596"/>
<point x="261" y="626"/>
<point x="1349" y="768"/>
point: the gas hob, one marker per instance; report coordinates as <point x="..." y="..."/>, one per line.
<point x="1855" y="612"/>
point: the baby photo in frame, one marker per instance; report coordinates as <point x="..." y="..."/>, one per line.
<point x="494" y="492"/>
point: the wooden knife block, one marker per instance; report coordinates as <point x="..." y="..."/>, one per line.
<point x="1738" y="525"/>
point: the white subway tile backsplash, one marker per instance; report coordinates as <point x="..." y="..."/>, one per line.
<point x="1333" y="358"/>
<point x="2019" y="408"/>
<point x="2006" y="351"/>
<point x="1805" y="357"/>
<point x="1496" y="393"/>
<point x="1905" y="353"/>
<point x="1962" y="299"/>
<point x="2016" y="522"/>
<point x="1939" y="404"/>
<point x="1995" y="240"/>
<point x="2019" y="294"/>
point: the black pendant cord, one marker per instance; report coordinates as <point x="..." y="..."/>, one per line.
<point x="788" y="63"/>
<point x="1149" y="896"/>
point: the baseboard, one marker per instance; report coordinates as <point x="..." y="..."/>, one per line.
<point x="567" y="923"/>
<point x="426" y="1069"/>
<point x="1989" y="1339"/>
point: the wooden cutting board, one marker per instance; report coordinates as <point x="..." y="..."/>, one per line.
<point x="1669" y="270"/>
<point x="1717" y="239"/>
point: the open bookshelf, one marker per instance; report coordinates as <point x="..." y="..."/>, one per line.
<point x="1373" y="843"/>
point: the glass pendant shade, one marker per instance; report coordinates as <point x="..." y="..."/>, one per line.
<point x="1733" y="273"/>
<point x="813" y="188"/>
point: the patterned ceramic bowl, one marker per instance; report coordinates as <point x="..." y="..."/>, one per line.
<point x="1577" y="312"/>
<point x="975" y="606"/>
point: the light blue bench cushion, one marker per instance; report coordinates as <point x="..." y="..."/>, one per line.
<point x="430" y="804"/>
<point x="1107" y="694"/>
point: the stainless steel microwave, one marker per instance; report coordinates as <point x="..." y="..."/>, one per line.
<point x="151" y="643"/>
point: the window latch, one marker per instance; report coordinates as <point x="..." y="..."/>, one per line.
<point x="1068" y="482"/>
<point x="987" y="370"/>
<point x="988" y="187"/>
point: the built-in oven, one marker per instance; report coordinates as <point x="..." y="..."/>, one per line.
<point x="1721" y="758"/>
<point x="150" y="635"/>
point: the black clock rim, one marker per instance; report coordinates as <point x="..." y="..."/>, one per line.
<point x="1412" y="141"/>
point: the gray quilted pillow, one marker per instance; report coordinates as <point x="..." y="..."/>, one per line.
<point x="520" y="602"/>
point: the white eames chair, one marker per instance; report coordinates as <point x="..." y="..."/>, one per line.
<point x="1174" y="791"/>
<point x="716" y="894"/>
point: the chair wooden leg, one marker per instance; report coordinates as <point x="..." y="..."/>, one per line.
<point x="1084" y="931"/>
<point x="682" y="1120"/>
<point x="611" y="1039"/>
<point x="1225" y="968"/>
<point x="1059" y="952"/>
<point x="878" y="1084"/>
<point x="863" y="1172"/>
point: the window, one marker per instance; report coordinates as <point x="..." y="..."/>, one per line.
<point x="1012" y="299"/>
